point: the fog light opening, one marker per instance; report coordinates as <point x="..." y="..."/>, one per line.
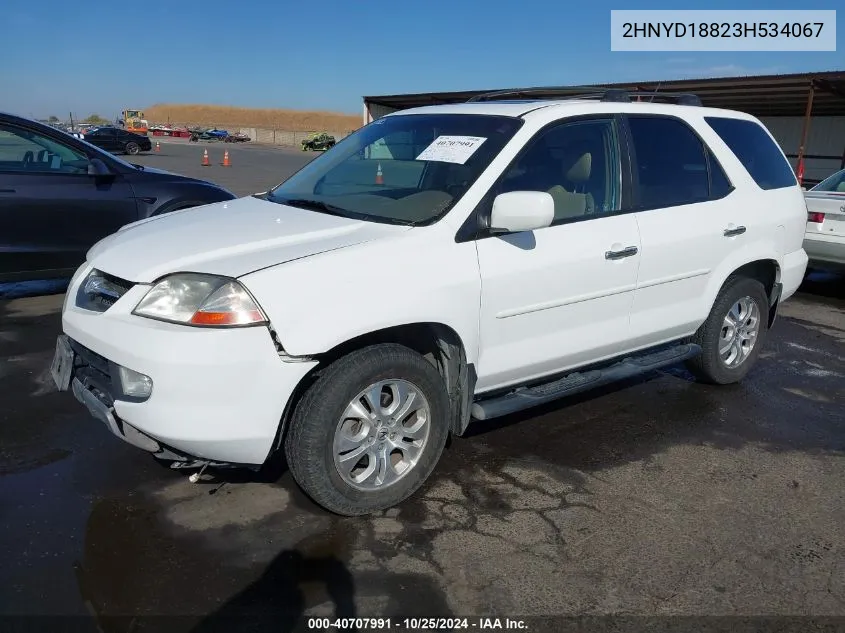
<point x="135" y="384"/>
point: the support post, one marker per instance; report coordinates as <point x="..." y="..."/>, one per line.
<point x="804" y="132"/>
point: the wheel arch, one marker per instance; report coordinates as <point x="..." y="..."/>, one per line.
<point x="439" y="343"/>
<point x="765" y="270"/>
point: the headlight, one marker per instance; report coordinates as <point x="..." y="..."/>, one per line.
<point x="195" y="299"/>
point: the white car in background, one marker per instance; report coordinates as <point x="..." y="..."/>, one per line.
<point x="824" y="240"/>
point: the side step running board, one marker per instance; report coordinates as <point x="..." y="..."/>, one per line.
<point x="527" y="397"/>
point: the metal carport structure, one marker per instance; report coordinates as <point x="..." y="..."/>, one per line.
<point x="789" y="105"/>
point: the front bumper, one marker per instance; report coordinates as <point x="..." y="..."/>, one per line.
<point x="217" y="395"/>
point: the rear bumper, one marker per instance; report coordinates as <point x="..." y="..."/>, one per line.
<point x="792" y="273"/>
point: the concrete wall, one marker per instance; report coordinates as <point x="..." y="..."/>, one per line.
<point x="284" y="137"/>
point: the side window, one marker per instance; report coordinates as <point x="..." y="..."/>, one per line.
<point x="577" y="163"/>
<point x="671" y="162"/>
<point x="22" y="150"/>
<point x="756" y="150"/>
<point x="720" y="186"/>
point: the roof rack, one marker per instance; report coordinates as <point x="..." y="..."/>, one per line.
<point x="570" y="92"/>
<point x="617" y="95"/>
<point x="679" y="98"/>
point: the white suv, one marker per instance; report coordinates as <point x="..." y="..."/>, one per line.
<point x="441" y="264"/>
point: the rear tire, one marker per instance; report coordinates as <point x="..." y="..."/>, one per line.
<point x="353" y="458"/>
<point x="733" y="334"/>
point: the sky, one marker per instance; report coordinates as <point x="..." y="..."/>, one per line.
<point x="100" y="56"/>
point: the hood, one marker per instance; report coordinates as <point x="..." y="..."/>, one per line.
<point x="230" y="238"/>
<point x="163" y="172"/>
<point x="169" y="175"/>
<point x="155" y="170"/>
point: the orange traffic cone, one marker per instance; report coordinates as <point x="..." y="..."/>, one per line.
<point x="205" y="162"/>
<point x="226" y="162"/>
<point x="158" y="146"/>
<point x="379" y="177"/>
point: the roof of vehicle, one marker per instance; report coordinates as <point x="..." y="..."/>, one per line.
<point x="523" y="107"/>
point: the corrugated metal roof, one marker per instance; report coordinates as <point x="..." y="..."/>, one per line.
<point x="760" y="95"/>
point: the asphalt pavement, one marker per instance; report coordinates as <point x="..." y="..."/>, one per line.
<point x="654" y="498"/>
<point x="252" y="168"/>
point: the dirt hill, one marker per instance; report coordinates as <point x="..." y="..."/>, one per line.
<point x="231" y="117"/>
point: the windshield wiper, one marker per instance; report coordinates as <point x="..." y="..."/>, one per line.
<point x="313" y="205"/>
<point x="323" y="207"/>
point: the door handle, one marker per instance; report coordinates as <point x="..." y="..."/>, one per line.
<point x="625" y="252"/>
<point x="7" y="191"/>
<point x="735" y="231"/>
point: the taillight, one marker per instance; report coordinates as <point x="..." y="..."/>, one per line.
<point x="814" y="216"/>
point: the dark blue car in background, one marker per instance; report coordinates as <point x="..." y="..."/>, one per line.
<point x="59" y="195"/>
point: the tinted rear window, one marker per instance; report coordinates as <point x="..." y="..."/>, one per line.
<point x="756" y="150"/>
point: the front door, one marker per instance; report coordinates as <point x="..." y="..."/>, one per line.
<point x="561" y="296"/>
<point x="104" y="138"/>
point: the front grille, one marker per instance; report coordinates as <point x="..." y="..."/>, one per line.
<point x="100" y="291"/>
<point x="95" y="372"/>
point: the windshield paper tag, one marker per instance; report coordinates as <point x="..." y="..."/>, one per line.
<point x="452" y="149"/>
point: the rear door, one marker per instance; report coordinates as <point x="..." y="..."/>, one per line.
<point x="51" y="210"/>
<point x="687" y="231"/>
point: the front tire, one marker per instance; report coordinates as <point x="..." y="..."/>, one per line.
<point x="369" y="431"/>
<point x="132" y="148"/>
<point x="733" y="334"/>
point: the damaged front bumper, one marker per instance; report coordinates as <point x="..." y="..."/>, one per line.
<point x="92" y="380"/>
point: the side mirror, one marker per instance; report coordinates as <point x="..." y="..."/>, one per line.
<point x="97" y="167"/>
<point x="518" y="211"/>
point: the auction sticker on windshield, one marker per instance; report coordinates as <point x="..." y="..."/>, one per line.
<point x="452" y="149"/>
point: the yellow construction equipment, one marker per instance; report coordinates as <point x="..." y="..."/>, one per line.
<point x="134" y="121"/>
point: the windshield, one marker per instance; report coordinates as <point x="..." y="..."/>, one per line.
<point x="405" y="169"/>
<point x="836" y="183"/>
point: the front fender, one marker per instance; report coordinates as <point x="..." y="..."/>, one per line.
<point x="318" y="302"/>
